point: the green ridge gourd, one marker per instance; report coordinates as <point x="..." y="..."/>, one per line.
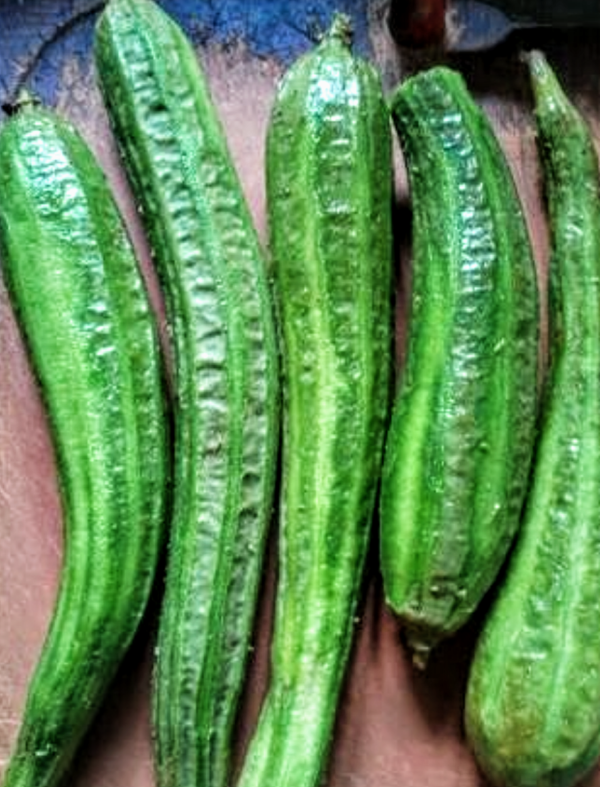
<point x="533" y="700"/>
<point x="329" y="208"/>
<point x="226" y="417"/>
<point x="82" y="307"/>
<point x="460" y="442"/>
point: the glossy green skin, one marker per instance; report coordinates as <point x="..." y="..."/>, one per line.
<point x="329" y="199"/>
<point x="460" y="442"/>
<point x="533" y="703"/>
<point x="226" y="417"/>
<point x="82" y="307"/>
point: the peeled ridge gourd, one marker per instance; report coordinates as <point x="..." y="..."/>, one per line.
<point x="226" y="411"/>
<point x="83" y="310"/>
<point x="329" y="209"/>
<point x="460" y="442"/>
<point x="533" y="702"/>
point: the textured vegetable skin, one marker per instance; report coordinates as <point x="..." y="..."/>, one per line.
<point x="460" y="442"/>
<point x="83" y="310"/>
<point x="533" y="701"/>
<point x="226" y="416"/>
<point x="329" y="202"/>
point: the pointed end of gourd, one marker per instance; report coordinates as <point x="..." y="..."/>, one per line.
<point x="539" y="68"/>
<point x="532" y="57"/>
<point x="420" y="653"/>
<point x="341" y="29"/>
<point x="24" y="100"/>
<point x="420" y="645"/>
<point x="543" y="78"/>
<point x="548" y="92"/>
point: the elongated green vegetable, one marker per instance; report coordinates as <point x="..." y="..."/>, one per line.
<point x="226" y="380"/>
<point x="533" y="704"/>
<point x="329" y="200"/>
<point x="459" y="447"/>
<point x="83" y="310"/>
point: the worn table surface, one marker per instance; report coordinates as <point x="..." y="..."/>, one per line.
<point x="395" y="727"/>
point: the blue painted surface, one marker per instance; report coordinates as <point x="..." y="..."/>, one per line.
<point x="74" y="44"/>
<point x="38" y="38"/>
<point x="278" y="28"/>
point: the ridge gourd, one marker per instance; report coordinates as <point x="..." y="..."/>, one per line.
<point x="460" y="441"/>
<point x="83" y="310"/>
<point x="226" y="378"/>
<point x="329" y="181"/>
<point x="533" y="697"/>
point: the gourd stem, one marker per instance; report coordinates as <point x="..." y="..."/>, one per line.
<point x="341" y="29"/>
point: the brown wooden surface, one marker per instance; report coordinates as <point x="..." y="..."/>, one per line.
<point x="396" y="728"/>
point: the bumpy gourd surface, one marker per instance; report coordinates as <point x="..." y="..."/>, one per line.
<point x="328" y="186"/>
<point x="458" y="451"/>
<point x="83" y="310"/>
<point x="226" y="381"/>
<point x="533" y="705"/>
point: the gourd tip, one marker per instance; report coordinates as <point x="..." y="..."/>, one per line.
<point x="341" y="29"/>
<point x="24" y="99"/>
<point x="420" y="648"/>
<point x="535" y="60"/>
<point x="420" y="656"/>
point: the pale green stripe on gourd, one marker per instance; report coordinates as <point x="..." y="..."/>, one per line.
<point x="226" y="380"/>
<point x="83" y="310"/>
<point x="329" y="209"/>
<point x="459" y="446"/>
<point x="533" y="703"/>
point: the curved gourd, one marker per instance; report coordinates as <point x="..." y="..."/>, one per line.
<point x="226" y="386"/>
<point x="83" y="311"/>
<point x="459" y="447"/>
<point x="533" y="701"/>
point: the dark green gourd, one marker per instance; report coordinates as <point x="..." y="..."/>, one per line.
<point x="226" y="415"/>
<point x="459" y="446"/>
<point x="329" y="208"/>
<point x="83" y="311"/>
<point x="533" y="703"/>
